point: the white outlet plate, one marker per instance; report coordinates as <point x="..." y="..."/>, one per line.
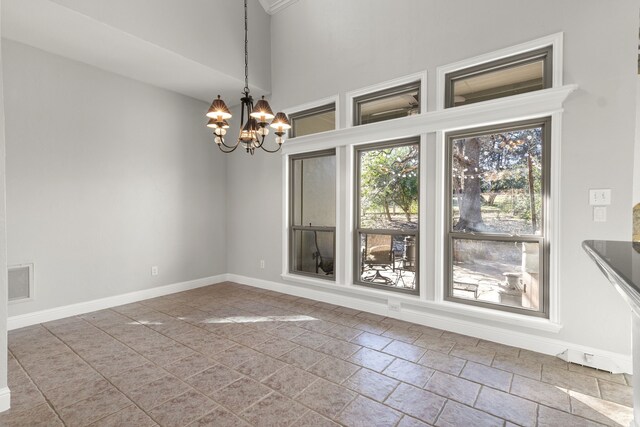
<point x="154" y="270"/>
<point x="599" y="214"/>
<point x="394" y="305"/>
<point x="262" y="264"/>
<point x="600" y="197"/>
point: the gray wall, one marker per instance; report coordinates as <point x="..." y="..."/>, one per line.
<point x="3" y="241"/>
<point x="334" y="46"/>
<point x="106" y="177"/>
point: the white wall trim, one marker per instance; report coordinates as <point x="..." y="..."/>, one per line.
<point x="5" y="399"/>
<point x="274" y="6"/>
<point x="413" y="311"/>
<point x="28" y="319"/>
<point x="389" y="84"/>
<point x="554" y="40"/>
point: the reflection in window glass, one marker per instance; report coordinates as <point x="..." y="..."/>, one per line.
<point x="388" y="104"/>
<point x="313" y="214"/>
<point x="523" y="73"/>
<point x="387" y="222"/>
<point x="312" y="121"/>
<point x="496" y="182"/>
<point x="497" y="272"/>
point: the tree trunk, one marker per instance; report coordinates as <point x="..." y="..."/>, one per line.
<point x="386" y="210"/>
<point x="470" y="200"/>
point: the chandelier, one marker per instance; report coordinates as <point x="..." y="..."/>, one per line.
<point x="254" y="130"/>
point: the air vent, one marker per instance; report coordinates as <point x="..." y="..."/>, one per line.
<point x="20" y="282"/>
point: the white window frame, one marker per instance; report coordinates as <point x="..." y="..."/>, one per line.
<point x="431" y="126"/>
<point x="389" y="84"/>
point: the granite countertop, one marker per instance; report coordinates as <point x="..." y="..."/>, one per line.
<point x="620" y="263"/>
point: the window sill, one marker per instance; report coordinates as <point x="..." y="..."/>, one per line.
<point x="416" y="305"/>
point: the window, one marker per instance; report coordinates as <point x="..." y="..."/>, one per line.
<point x="386" y="238"/>
<point x="313" y="214"/>
<point x="387" y="104"/>
<point x="526" y="72"/>
<point x="314" y="120"/>
<point x="497" y="240"/>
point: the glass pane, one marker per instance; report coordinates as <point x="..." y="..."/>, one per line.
<point x="392" y="106"/>
<point x="313" y="251"/>
<point x="307" y="124"/>
<point x="314" y="191"/>
<point x="507" y="81"/>
<point x="497" y="272"/>
<point x="389" y="188"/>
<point x="496" y="182"/>
<point x="388" y="260"/>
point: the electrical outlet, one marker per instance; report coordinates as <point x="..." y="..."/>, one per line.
<point x="394" y="305"/>
<point x="154" y="270"/>
<point x="599" y="214"/>
<point x="600" y="197"/>
<point x="262" y="263"/>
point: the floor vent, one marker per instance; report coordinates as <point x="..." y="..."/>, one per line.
<point x="20" y="282"/>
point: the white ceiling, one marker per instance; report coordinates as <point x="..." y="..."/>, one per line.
<point x="193" y="47"/>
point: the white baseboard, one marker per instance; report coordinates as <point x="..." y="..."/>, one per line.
<point x="23" y="320"/>
<point x="600" y="359"/>
<point x="5" y="399"/>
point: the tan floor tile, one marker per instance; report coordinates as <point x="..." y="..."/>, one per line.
<point x="260" y="367"/>
<point x="372" y="359"/>
<point x="129" y="416"/>
<point x="275" y="347"/>
<point x="435" y="343"/>
<point x="213" y="379"/>
<point x="372" y="327"/>
<point x="332" y="369"/>
<point x="545" y="359"/>
<point x="453" y="388"/>
<point x="549" y="417"/>
<point x="473" y="353"/>
<point x="409" y="372"/>
<point x="371" y="384"/>
<point x="310" y="339"/>
<point x="603" y="375"/>
<point x="487" y="375"/>
<point x="402" y="334"/>
<point x="39" y="416"/>
<point x="253" y="337"/>
<point x="182" y="409"/>
<point x="600" y="410"/>
<point x="25" y="396"/>
<point x="408" y="421"/>
<point x="313" y="419"/>
<point x="461" y="339"/>
<point x="442" y="362"/>
<point x="373" y="341"/>
<point x="190" y="365"/>
<point x="405" y="351"/>
<point x="288" y="332"/>
<point x="571" y="380"/>
<point x="290" y="381"/>
<point x="137" y="377"/>
<point x="363" y="412"/>
<point x="86" y="411"/>
<point x="274" y="410"/>
<point x="455" y="414"/>
<point x="151" y="395"/>
<point x="235" y="356"/>
<point x="74" y="392"/>
<point x="326" y="398"/>
<point x="219" y="417"/>
<point x="525" y="367"/>
<point x="543" y="393"/>
<point x="418" y="403"/>
<point x="499" y="349"/>
<point x="344" y="333"/>
<point x="509" y="407"/>
<point x="338" y="348"/>
<point x="617" y="393"/>
<point x="302" y="357"/>
<point x="240" y="394"/>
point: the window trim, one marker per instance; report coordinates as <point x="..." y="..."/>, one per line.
<point x="544" y="54"/>
<point x="292" y="228"/>
<point x="543" y="240"/>
<point x="311" y="108"/>
<point x="554" y="41"/>
<point x="358" y="231"/>
<point x="384" y="86"/>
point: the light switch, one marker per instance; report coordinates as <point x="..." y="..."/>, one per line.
<point x="600" y="197"/>
<point x="599" y="214"/>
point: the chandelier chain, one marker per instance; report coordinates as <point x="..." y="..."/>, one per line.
<point x="246" y="50"/>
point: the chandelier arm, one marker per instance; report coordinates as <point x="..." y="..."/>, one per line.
<point x="227" y="151"/>
<point x="271" y="151"/>
<point x="229" y="146"/>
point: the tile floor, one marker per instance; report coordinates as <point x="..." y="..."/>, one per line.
<point x="232" y="355"/>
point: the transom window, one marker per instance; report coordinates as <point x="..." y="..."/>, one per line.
<point x="387" y="232"/>
<point x="387" y="104"/>
<point x="497" y="241"/>
<point x="313" y="214"/>
<point x="526" y="72"/>
<point x="314" y="120"/>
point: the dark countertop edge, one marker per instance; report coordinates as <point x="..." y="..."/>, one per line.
<point x="623" y="284"/>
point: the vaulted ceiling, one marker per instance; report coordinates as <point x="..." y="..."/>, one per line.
<point x="193" y="47"/>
